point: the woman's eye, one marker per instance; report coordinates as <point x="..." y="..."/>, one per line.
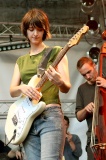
<point x="31" y="29"/>
<point x="37" y="29"/>
<point x="40" y="29"/>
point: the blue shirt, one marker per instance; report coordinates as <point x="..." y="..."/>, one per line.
<point x="69" y="154"/>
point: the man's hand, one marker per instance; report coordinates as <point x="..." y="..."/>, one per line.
<point x="101" y="82"/>
<point x="19" y="155"/>
<point x="71" y="143"/>
<point x="90" y="107"/>
<point x="69" y="136"/>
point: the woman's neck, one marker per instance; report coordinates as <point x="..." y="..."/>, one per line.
<point x="37" y="49"/>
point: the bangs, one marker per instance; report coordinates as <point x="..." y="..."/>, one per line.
<point x="36" y="23"/>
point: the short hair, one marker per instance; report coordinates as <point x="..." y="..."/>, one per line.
<point x="36" y="17"/>
<point x="84" y="60"/>
<point x="67" y="119"/>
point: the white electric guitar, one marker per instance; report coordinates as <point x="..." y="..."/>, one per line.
<point x="22" y="112"/>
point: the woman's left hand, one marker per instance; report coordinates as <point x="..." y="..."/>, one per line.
<point x="54" y="76"/>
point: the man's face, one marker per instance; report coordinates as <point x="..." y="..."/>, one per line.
<point x="66" y="125"/>
<point x="89" y="72"/>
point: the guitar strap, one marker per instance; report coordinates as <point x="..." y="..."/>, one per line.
<point x="43" y="63"/>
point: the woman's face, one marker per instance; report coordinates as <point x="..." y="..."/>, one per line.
<point x="35" y="35"/>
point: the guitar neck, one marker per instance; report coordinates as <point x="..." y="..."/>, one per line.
<point x="60" y="56"/>
<point x="54" y="64"/>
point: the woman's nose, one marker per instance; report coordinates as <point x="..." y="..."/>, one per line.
<point x="35" y="32"/>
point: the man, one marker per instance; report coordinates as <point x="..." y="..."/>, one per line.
<point x="7" y="153"/>
<point x="85" y="96"/>
<point x="72" y="148"/>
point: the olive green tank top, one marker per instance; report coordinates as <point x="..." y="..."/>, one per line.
<point x="28" y="66"/>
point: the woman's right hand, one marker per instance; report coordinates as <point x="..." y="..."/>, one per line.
<point x="31" y="92"/>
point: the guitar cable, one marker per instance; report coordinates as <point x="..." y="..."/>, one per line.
<point x="20" y="148"/>
<point x="13" y="137"/>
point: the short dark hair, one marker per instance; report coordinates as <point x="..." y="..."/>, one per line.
<point x="67" y="119"/>
<point x="36" y="18"/>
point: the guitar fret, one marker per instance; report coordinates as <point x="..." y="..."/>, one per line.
<point x="42" y="81"/>
<point x="60" y="55"/>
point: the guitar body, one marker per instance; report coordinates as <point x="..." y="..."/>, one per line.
<point x="21" y="115"/>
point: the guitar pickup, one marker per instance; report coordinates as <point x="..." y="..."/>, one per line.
<point x="15" y="120"/>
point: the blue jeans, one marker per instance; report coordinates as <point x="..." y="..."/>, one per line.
<point x="46" y="138"/>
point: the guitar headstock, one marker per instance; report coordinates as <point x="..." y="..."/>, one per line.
<point x="76" y="38"/>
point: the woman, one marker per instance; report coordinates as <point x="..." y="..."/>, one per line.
<point x="45" y="140"/>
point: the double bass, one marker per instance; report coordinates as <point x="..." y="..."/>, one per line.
<point x="98" y="135"/>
